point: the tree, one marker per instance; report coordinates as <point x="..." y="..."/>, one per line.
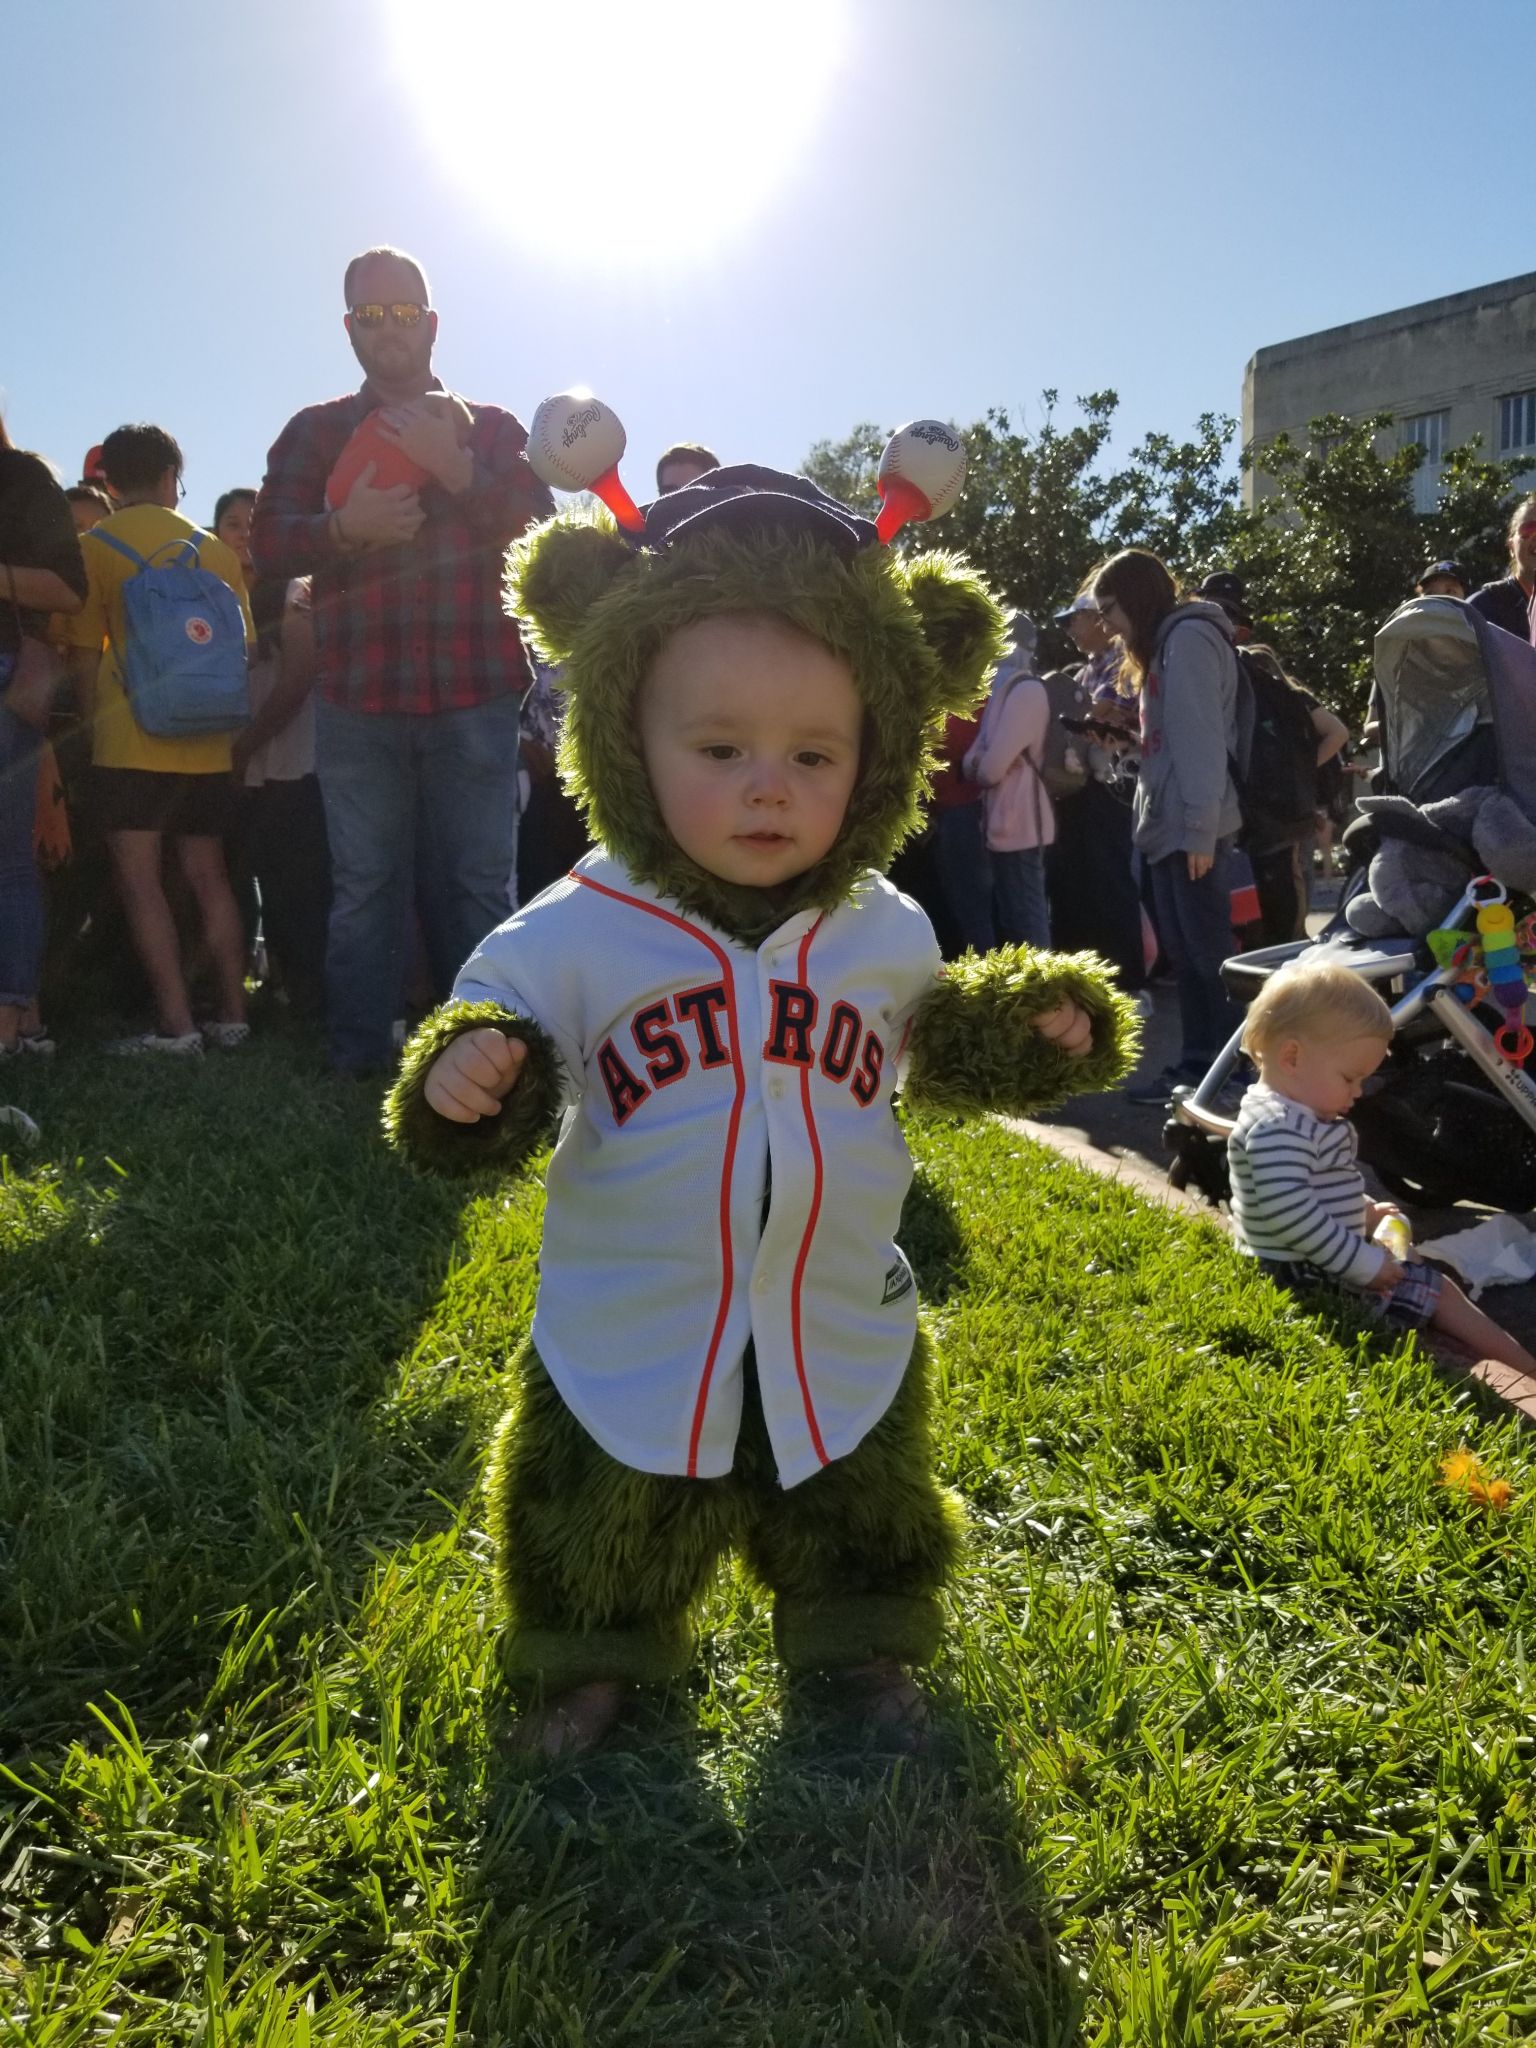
<point x="1330" y="550"/>
<point x="1335" y="547"/>
<point x="1031" y="502"/>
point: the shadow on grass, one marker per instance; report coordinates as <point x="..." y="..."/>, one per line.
<point x="212" y="1276"/>
<point x="769" y="1886"/>
<point x="931" y="1235"/>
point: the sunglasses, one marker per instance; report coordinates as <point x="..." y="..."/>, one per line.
<point x="405" y="314"/>
<point x="1527" y="529"/>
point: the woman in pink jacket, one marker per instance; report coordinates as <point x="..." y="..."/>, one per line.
<point x="1020" y="823"/>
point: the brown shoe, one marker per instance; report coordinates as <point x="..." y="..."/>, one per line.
<point x="887" y="1699"/>
<point x="568" y="1725"/>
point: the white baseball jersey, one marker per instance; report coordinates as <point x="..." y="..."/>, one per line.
<point x="730" y="1169"/>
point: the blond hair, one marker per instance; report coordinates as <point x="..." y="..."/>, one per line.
<point x="1304" y="1000"/>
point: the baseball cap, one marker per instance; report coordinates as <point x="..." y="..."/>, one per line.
<point x="1085" y="601"/>
<point x="1228" y="591"/>
<point x="745" y="495"/>
<point x="91" y="471"/>
<point x="1445" y="569"/>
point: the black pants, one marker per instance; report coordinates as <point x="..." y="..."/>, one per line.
<point x="290" y="857"/>
<point x="1095" y="905"/>
<point x="1282" y="894"/>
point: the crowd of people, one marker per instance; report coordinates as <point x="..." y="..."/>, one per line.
<point x="391" y="790"/>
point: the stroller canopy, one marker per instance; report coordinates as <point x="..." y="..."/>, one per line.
<point x="1434" y="695"/>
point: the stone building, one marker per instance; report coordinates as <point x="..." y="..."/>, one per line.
<point x="1446" y="370"/>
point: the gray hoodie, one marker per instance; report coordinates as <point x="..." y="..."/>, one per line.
<point x="1186" y="799"/>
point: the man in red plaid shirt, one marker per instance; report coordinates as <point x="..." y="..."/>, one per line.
<point x="419" y="671"/>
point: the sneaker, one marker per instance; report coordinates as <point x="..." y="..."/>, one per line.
<point x="152" y="1041"/>
<point x="1157" y="1092"/>
<point x="226" y="1036"/>
<point x="36" y="1042"/>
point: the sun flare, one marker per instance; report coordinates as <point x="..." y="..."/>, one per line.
<point x="606" y="131"/>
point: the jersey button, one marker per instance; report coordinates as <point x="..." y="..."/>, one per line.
<point x="762" y="1283"/>
<point x="776" y="1085"/>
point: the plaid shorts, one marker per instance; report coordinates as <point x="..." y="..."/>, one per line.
<point x="1409" y="1306"/>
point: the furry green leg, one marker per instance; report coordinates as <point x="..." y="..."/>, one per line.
<point x="856" y="1555"/>
<point x="600" y="1568"/>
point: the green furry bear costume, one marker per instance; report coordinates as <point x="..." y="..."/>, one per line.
<point x="816" y="1464"/>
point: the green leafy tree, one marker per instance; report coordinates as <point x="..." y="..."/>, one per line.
<point x="1179" y="498"/>
<point x="1335" y="545"/>
<point x="1032" y="502"/>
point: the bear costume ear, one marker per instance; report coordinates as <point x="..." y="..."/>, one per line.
<point x="558" y="571"/>
<point x="962" y="624"/>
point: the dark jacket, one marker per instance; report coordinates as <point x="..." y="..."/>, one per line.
<point x="1504" y="604"/>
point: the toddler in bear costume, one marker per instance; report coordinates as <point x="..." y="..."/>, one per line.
<point x="712" y="1009"/>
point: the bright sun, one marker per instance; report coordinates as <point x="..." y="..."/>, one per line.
<point x="625" y="132"/>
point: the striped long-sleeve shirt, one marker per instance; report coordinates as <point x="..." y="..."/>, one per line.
<point x="1297" y="1192"/>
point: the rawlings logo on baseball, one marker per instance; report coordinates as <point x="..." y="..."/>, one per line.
<point x="576" y="426"/>
<point x="936" y="434"/>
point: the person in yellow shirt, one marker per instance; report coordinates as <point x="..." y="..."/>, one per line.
<point x="143" y="789"/>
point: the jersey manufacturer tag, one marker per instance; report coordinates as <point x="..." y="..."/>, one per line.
<point x="897" y="1282"/>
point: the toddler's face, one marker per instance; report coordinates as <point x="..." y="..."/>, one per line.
<point x="750" y="732"/>
<point x="1324" y="1075"/>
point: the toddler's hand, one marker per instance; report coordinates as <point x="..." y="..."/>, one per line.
<point x="469" y="1078"/>
<point x="1068" y="1027"/>
<point x="1391" y="1275"/>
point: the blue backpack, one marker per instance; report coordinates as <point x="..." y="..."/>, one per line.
<point x="184" y="662"/>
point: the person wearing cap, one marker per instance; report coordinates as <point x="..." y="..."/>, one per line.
<point x="1443" y="579"/>
<point x="1090" y="870"/>
<point x="1508" y="601"/>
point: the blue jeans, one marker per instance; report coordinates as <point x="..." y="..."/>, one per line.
<point x="1018" y="898"/>
<point x="1194" y="922"/>
<point x="965" y="873"/>
<point x="21" y="890"/>
<point x="418" y="809"/>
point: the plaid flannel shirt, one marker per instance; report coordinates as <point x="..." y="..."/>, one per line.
<point x="418" y="627"/>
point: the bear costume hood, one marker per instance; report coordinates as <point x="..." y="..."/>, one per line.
<point x="919" y="636"/>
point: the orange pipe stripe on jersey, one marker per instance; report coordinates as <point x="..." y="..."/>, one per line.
<point x="810" y="1224"/>
<point x="728" y="1272"/>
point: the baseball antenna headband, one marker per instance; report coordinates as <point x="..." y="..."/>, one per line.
<point x="576" y="444"/>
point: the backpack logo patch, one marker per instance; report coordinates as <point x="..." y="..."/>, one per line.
<point x="198" y="631"/>
<point x="898" y="1281"/>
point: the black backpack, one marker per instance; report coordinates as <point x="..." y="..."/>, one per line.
<point x="1276" y="775"/>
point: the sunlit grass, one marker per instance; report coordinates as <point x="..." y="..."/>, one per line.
<point x="1237" y="1727"/>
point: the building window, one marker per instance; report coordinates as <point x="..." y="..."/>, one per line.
<point x="1427" y="430"/>
<point x="1517" y="423"/>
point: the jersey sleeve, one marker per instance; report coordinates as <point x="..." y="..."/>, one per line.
<point x="529" y="966"/>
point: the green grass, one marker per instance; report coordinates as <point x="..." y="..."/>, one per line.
<point x="1237" y="1722"/>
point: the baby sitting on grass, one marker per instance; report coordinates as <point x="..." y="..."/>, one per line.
<point x="1317" y="1033"/>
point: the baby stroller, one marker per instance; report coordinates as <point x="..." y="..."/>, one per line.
<point x="1450" y="1116"/>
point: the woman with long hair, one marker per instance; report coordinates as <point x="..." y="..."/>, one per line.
<point x="1511" y="600"/>
<point x="40" y="572"/>
<point x="1181" y="660"/>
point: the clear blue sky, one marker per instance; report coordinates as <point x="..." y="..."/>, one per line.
<point x="967" y="201"/>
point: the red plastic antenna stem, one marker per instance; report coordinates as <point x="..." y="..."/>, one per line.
<point x="899" y="502"/>
<point x="619" y="502"/>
